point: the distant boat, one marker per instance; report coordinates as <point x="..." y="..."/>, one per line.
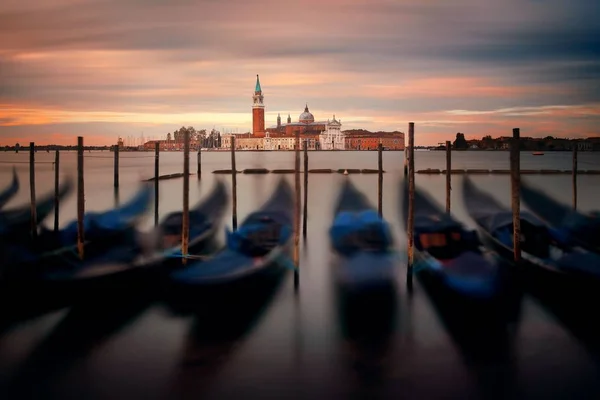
<point x="538" y="153"/>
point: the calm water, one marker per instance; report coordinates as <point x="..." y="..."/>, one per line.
<point x="296" y="348"/>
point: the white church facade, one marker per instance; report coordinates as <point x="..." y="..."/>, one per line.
<point x="332" y="138"/>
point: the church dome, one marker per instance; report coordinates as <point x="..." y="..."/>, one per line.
<point x="306" y="117"/>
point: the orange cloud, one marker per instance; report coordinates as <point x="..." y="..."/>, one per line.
<point x="431" y="126"/>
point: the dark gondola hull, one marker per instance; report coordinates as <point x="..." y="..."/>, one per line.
<point x="21" y="301"/>
<point x="468" y="272"/>
<point x="15" y="224"/>
<point x="119" y="277"/>
<point x="577" y="228"/>
<point x="361" y="241"/>
<point x="535" y="272"/>
<point x="253" y="261"/>
<point x="121" y="263"/>
<point x="527" y="271"/>
<point x="103" y="232"/>
<point x="7" y="194"/>
<point x="484" y="310"/>
<point x="184" y="298"/>
<point x="366" y="306"/>
<point x="540" y="278"/>
<point x="365" y="273"/>
<point x="364" y="267"/>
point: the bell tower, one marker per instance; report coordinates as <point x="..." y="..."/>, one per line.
<point x="258" y="110"/>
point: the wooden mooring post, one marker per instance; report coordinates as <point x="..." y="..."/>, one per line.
<point x="405" y="162"/>
<point x="515" y="184"/>
<point x="156" y="175"/>
<point x="380" y="180"/>
<point x="80" y="198"/>
<point x="56" y="183"/>
<point x="32" y="189"/>
<point x="448" y="174"/>
<point x="233" y="186"/>
<point x="116" y="167"/>
<point x="297" y="210"/>
<point x="185" y="228"/>
<point x="411" y="202"/>
<point x="574" y="175"/>
<point x="199" y="162"/>
<point x="305" y="205"/>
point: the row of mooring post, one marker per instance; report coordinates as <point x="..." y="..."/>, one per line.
<point x="156" y="175"/>
<point x="515" y="181"/>
<point x="81" y="191"/>
<point x="409" y="171"/>
<point x="515" y="192"/>
<point x="33" y="202"/>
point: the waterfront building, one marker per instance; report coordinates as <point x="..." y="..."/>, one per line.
<point x="319" y="135"/>
<point x="306" y="125"/>
<point x="258" y="111"/>
<point x="243" y="141"/>
<point x="362" y="140"/>
<point x="332" y="138"/>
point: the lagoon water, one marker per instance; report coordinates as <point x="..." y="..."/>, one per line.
<point x="295" y="348"/>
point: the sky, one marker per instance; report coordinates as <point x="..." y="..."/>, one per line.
<point x="108" y="68"/>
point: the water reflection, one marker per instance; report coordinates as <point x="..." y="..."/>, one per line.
<point x="19" y="303"/>
<point x="80" y="332"/>
<point x="367" y="324"/>
<point x="218" y="327"/>
<point x="482" y="332"/>
<point x="572" y="305"/>
<point x="420" y="347"/>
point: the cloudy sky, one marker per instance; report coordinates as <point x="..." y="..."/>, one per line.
<point x="109" y="68"/>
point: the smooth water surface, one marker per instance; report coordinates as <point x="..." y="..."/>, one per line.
<point x="295" y="348"/>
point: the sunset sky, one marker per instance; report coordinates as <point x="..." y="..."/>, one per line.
<point x="108" y="68"/>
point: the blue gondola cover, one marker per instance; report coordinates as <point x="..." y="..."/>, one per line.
<point x="114" y="220"/>
<point x="348" y="224"/>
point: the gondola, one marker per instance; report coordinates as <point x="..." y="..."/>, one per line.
<point x="254" y="259"/>
<point x="10" y="191"/>
<point x="449" y="253"/>
<point x="571" y="226"/>
<point x="364" y="266"/>
<point x="103" y="231"/>
<point x="362" y="243"/>
<point x="16" y="223"/>
<point x="140" y="255"/>
<point x="547" y="257"/>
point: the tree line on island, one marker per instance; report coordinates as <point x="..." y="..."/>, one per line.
<point x="206" y="139"/>
<point x="548" y="143"/>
